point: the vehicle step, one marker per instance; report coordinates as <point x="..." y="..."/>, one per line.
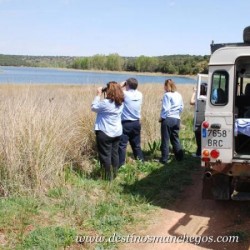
<point x="240" y="196"/>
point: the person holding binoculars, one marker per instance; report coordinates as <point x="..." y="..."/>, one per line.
<point x="131" y="124"/>
<point x="108" y="127"/>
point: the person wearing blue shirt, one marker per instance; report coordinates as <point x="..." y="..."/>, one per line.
<point x="131" y="124"/>
<point x="218" y="96"/>
<point x="172" y="107"/>
<point x="108" y="127"/>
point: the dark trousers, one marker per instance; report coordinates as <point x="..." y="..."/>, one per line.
<point x="197" y="133"/>
<point x="170" y="128"/>
<point x="108" y="153"/>
<point x="132" y="134"/>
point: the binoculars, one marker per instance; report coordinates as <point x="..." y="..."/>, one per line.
<point x="104" y="89"/>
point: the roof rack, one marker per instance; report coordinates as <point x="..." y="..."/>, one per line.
<point x="246" y="41"/>
<point x="215" y="46"/>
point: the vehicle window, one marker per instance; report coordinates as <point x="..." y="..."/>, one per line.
<point x="219" y="93"/>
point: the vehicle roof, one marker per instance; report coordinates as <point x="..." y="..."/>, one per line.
<point x="228" y="55"/>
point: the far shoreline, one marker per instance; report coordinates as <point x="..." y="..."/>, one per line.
<point x="128" y="72"/>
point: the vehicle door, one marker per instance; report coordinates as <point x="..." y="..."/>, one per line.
<point x="200" y="102"/>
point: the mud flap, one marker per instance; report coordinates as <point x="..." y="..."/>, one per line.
<point x="216" y="187"/>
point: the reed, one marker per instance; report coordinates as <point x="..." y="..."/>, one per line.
<point x="45" y="129"/>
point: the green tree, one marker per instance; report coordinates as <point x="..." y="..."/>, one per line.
<point x="129" y="64"/>
<point x="146" y="64"/>
<point x="85" y="63"/>
<point x="77" y="63"/>
<point x="98" y="62"/>
<point x="168" y="67"/>
<point x="114" y="62"/>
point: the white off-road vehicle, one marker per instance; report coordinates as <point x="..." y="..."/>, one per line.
<point x="225" y="130"/>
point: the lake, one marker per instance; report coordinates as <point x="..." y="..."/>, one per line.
<point x="30" y="75"/>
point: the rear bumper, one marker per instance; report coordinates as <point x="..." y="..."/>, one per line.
<point x="230" y="169"/>
<point x="221" y="181"/>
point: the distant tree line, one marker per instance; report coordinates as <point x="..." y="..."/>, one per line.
<point x="37" y="61"/>
<point x="172" y="64"/>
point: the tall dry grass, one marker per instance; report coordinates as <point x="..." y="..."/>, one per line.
<point x="44" y="129"/>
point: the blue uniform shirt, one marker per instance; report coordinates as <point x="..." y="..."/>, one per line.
<point x="172" y="105"/>
<point x="132" y="105"/>
<point x="108" y="118"/>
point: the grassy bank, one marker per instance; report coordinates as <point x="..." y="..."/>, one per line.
<point x="51" y="191"/>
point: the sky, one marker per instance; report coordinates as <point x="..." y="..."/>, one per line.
<point x="125" y="27"/>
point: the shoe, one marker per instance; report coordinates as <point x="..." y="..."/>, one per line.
<point x="180" y="155"/>
<point x="162" y="161"/>
<point x="196" y="156"/>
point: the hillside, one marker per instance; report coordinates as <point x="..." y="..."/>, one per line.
<point x="169" y="64"/>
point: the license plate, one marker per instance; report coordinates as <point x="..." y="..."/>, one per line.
<point x="216" y="138"/>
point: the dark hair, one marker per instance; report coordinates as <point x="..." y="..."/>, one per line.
<point x="115" y="93"/>
<point x="171" y="87"/>
<point x="203" y="90"/>
<point x="132" y="83"/>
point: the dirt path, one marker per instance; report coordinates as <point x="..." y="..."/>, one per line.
<point x="192" y="216"/>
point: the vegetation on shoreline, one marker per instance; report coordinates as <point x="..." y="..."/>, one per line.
<point x="50" y="179"/>
<point x="172" y="64"/>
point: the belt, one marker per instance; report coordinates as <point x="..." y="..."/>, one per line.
<point x="124" y="121"/>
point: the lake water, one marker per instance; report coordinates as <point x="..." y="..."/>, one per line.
<point x="30" y="75"/>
